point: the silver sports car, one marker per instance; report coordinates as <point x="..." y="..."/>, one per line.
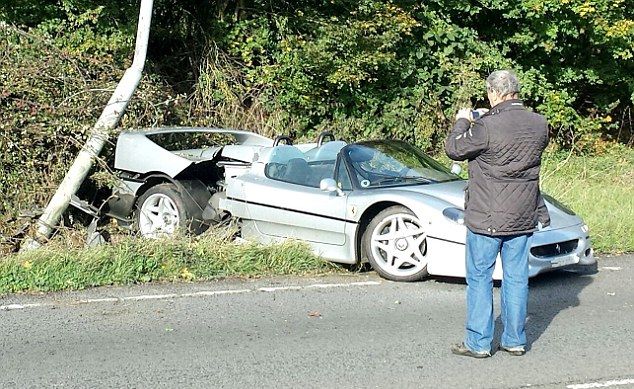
<point x="385" y="201"/>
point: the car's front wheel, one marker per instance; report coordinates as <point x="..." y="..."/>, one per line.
<point x="395" y="243"/>
<point x="161" y="211"/>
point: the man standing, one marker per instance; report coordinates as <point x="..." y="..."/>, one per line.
<point x="503" y="206"/>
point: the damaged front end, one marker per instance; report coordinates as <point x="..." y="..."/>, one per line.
<point x="173" y="178"/>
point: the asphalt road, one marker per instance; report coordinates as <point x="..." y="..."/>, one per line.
<point x="331" y="332"/>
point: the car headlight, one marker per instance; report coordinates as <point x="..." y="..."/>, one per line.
<point x="585" y="228"/>
<point x="454" y="214"/>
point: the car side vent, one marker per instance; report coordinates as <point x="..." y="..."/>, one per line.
<point x="555" y="249"/>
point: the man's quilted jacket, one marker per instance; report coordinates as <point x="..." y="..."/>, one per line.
<point x="504" y="149"/>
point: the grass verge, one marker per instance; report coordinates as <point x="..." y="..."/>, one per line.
<point x="133" y="260"/>
<point x="600" y="189"/>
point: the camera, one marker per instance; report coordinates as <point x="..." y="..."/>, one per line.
<point x="477" y="113"/>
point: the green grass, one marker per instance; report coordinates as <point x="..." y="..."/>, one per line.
<point x="133" y="260"/>
<point x="600" y="189"/>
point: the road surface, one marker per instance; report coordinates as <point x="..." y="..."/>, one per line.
<point x="344" y="331"/>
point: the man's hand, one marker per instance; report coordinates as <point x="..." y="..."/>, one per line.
<point x="482" y="111"/>
<point x="464" y="113"/>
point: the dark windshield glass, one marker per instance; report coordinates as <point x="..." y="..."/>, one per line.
<point x="394" y="163"/>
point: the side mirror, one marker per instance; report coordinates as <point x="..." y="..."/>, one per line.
<point x="456" y="168"/>
<point x="329" y="185"/>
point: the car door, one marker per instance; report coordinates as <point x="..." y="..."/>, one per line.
<point x="291" y="210"/>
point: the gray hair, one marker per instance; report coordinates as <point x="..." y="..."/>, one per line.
<point x="504" y="82"/>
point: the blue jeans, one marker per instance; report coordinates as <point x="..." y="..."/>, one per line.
<point x="482" y="251"/>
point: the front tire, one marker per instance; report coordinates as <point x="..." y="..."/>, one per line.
<point x="395" y="243"/>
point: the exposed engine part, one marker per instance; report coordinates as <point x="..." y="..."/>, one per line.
<point x="212" y="211"/>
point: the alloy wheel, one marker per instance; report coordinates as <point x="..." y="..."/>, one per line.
<point x="398" y="245"/>
<point x="158" y="216"/>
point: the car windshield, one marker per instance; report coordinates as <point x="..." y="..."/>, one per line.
<point x="394" y="163"/>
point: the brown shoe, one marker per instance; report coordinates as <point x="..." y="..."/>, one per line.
<point x="461" y="349"/>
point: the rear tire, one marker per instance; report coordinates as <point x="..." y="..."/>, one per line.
<point x="395" y="243"/>
<point x="161" y="211"/>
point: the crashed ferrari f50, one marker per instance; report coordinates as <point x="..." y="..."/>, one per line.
<point x="385" y="202"/>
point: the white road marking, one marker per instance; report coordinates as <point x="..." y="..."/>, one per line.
<point x="615" y="268"/>
<point x="103" y="300"/>
<point x="13" y="307"/>
<point x="278" y="288"/>
<point x="215" y="292"/>
<point x="203" y="293"/>
<point x="361" y="283"/>
<point x="604" y="384"/>
<point x="151" y="297"/>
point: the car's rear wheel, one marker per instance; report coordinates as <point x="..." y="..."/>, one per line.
<point x="161" y="211"/>
<point x="395" y="243"/>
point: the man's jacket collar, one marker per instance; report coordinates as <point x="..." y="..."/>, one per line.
<point x="507" y="105"/>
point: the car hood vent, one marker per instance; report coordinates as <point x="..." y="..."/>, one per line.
<point x="555" y="249"/>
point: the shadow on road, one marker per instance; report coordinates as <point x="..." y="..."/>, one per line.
<point x="549" y="294"/>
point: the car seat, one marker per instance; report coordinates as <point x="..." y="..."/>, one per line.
<point x="284" y="153"/>
<point x="297" y="171"/>
<point x="277" y="159"/>
<point x="328" y="151"/>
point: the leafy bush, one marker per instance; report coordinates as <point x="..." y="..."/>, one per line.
<point x="50" y="97"/>
<point x="368" y="68"/>
<point x="375" y="69"/>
